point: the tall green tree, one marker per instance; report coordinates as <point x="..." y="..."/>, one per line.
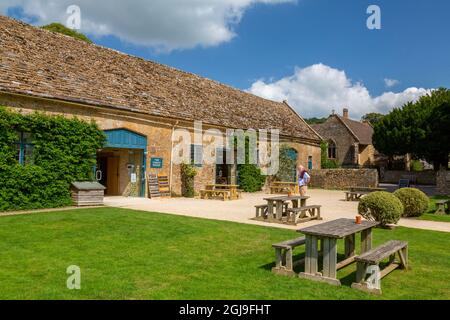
<point x="419" y="128"/>
<point x="373" y="118"/>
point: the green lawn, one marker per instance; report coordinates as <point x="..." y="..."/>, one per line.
<point x="126" y="254"/>
<point x="430" y="216"/>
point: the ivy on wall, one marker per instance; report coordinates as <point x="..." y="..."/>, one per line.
<point x="64" y="151"/>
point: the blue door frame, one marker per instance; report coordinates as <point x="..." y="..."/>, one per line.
<point x="126" y="139"/>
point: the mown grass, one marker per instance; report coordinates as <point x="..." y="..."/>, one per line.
<point x="125" y="254"/>
<point x="430" y="214"/>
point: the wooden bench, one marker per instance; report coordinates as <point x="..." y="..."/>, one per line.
<point x="355" y="195"/>
<point x="442" y="206"/>
<point x="374" y="257"/>
<point x="217" y="193"/>
<point x="284" y="257"/>
<point x="262" y="212"/>
<point x="300" y="215"/>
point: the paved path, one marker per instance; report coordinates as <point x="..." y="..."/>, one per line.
<point x="333" y="207"/>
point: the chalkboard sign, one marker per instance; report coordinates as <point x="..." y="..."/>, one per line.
<point x="156" y="163"/>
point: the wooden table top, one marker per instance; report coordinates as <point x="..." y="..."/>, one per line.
<point x="224" y="185"/>
<point x="286" y="183"/>
<point x="339" y="228"/>
<point x="287" y="198"/>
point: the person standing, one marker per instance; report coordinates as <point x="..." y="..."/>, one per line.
<point x="303" y="180"/>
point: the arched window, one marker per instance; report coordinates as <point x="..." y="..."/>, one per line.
<point x="331" y="150"/>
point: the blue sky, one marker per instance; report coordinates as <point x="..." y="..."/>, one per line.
<point x="317" y="54"/>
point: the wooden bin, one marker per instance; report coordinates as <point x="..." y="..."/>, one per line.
<point x="87" y="194"/>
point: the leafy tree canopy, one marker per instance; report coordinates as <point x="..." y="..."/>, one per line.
<point x="373" y="118"/>
<point x="316" y="120"/>
<point x="59" y="28"/>
<point x="419" y="128"/>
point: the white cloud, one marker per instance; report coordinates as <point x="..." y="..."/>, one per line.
<point x="318" y="89"/>
<point x="391" y="82"/>
<point x="162" y="24"/>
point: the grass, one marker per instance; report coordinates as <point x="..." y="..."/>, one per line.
<point x="430" y="214"/>
<point x="125" y="254"/>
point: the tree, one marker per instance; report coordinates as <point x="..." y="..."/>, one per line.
<point x="420" y="129"/>
<point x="316" y="120"/>
<point x="59" y="28"/>
<point x="373" y="118"/>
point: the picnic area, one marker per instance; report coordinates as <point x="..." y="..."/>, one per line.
<point x="128" y="254"/>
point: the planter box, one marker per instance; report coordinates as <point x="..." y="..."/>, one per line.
<point x="87" y="194"/>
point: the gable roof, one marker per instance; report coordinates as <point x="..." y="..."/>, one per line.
<point x="41" y="63"/>
<point x="361" y="130"/>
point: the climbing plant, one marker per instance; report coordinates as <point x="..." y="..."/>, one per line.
<point x="59" y="152"/>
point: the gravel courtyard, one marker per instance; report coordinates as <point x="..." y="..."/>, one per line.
<point x="333" y="207"/>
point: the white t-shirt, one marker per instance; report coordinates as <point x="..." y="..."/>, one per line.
<point x="304" y="182"/>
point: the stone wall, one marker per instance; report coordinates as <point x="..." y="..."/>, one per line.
<point x="423" y="177"/>
<point x="158" y="132"/>
<point x="342" y="179"/>
<point x="334" y="130"/>
<point x="443" y="182"/>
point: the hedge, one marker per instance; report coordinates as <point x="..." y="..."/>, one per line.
<point x="382" y="207"/>
<point x="414" y="201"/>
<point x="64" y="152"/>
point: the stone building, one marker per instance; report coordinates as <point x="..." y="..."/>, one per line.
<point x="138" y="103"/>
<point x="349" y="141"/>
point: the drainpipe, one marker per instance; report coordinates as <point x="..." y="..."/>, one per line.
<point x="171" y="157"/>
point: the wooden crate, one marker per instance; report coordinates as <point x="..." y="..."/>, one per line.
<point x="87" y="194"/>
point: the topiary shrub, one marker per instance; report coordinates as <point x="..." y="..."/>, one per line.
<point x="382" y="207"/>
<point x="414" y="201"/>
<point x="188" y="173"/>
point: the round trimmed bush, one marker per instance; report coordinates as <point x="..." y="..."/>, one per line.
<point x="382" y="207"/>
<point x="414" y="201"/>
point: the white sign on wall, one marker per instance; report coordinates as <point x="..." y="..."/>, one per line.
<point x="133" y="178"/>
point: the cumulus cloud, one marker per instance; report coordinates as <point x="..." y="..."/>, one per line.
<point x="391" y="82"/>
<point x="316" y="90"/>
<point x="162" y="24"/>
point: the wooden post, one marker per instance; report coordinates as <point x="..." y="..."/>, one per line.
<point x="279" y="208"/>
<point x="366" y="240"/>
<point x="350" y="246"/>
<point x="329" y="258"/>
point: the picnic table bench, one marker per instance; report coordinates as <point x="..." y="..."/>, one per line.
<point x="356" y="193"/>
<point x="328" y="233"/>
<point x="276" y="208"/>
<point x="284" y="187"/>
<point x="300" y="215"/>
<point x="222" y="191"/>
<point x="284" y="257"/>
<point x="374" y="257"/>
<point x="443" y="207"/>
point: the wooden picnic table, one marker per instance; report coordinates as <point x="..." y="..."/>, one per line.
<point x="328" y="233"/>
<point x="280" y="186"/>
<point x="356" y="193"/>
<point x="277" y="203"/>
<point x="233" y="188"/>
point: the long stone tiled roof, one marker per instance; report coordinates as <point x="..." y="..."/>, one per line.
<point x="40" y="63"/>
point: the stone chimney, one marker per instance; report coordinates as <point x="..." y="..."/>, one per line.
<point x="345" y="113"/>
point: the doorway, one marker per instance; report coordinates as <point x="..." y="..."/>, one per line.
<point x="108" y="172"/>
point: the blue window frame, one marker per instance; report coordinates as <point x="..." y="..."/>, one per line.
<point x="197" y="155"/>
<point x="310" y="163"/>
<point x="24" y="148"/>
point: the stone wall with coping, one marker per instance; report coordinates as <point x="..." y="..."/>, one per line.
<point x="443" y="182"/>
<point x="427" y="177"/>
<point x="342" y="179"/>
